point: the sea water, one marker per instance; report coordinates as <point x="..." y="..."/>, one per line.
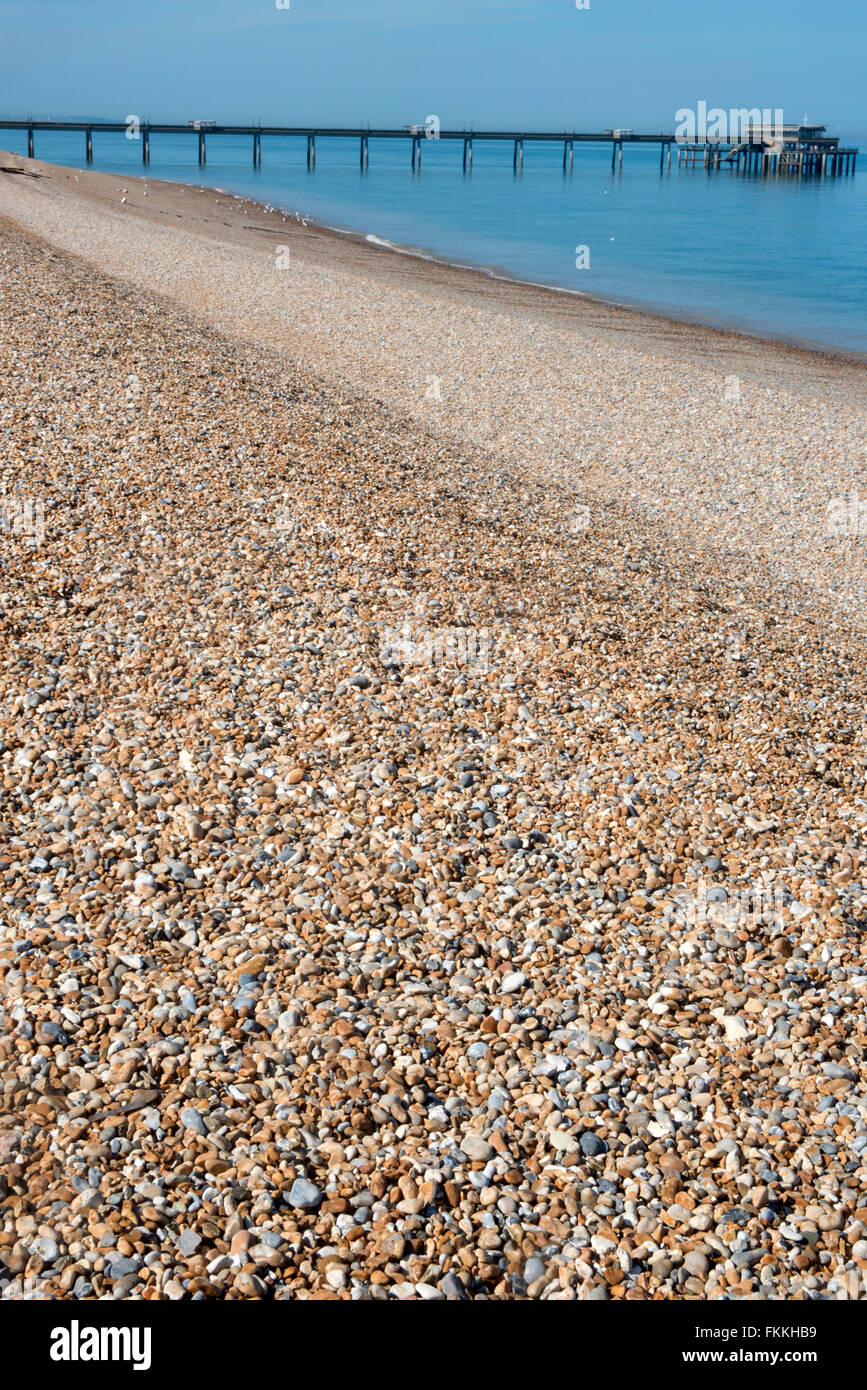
<point x="775" y="256"/>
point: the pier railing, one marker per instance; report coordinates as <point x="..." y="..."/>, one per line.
<point x="751" y="154"/>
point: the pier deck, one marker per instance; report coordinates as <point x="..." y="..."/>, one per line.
<point x="753" y="155"/>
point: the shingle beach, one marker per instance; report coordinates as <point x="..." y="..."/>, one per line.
<point x="431" y="719"/>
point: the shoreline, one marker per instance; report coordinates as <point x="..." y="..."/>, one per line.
<point x="634" y="310"/>
<point x="682" y="317"/>
<point x="621" y="411"/>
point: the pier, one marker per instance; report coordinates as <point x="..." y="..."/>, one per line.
<point x="803" y="150"/>
<point x="788" y="149"/>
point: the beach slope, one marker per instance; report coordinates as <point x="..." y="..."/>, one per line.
<point x="432" y="863"/>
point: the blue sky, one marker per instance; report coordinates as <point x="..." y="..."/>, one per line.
<point x="487" y="62"/>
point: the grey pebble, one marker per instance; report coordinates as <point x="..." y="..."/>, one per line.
<point x="304" y="1195"/>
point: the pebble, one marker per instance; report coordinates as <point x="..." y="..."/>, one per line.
<point x="513" y="982"/>
<point x="284" y="1014"/>
<point x="476" y="1148"/>
<point x="304" y="1195"/>
<point x="592" y="1145"/>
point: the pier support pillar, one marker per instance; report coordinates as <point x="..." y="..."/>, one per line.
<point x="416" y="151"/>
<point x="364" y="152"/>
<point x="614" y="154"/>
<point x="518" y="155"/>
<point x="88" y="146"/>
<point x="257" y="151"/>
<point x="468" y="154"/>
<point x="30" y="154"/>
<point x="569" y="148"/>
<point x="203" y="159"/>
<point x="145" y="147"/>
<point x="311" y="151"/>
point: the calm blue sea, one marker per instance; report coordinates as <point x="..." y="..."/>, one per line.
<point x="777" y="257"/>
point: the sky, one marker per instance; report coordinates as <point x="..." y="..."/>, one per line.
<point x="512" y="64"/>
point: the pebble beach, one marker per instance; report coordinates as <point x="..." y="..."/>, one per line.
<point x="431" y="724"/>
